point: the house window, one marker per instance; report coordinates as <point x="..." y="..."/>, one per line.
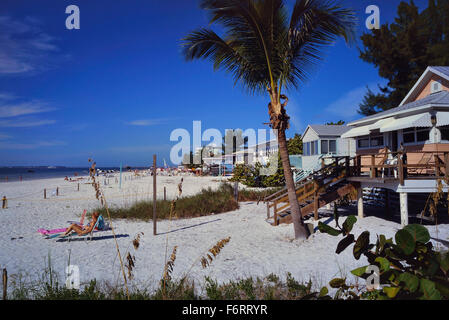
<point x="333" y="146"/>
<point x="412" y="135"/>
<point x="422" y="134"/>
<point x="444" y="132"/>
<point x="377" y="141"/>
<point x="409" y="135"/>
<point x="311" y="148"/>
<point x="371" y="142"/>
<point x="435" y="86"/>
<point x="328" y="146"/>
<point x="363" y="142"/>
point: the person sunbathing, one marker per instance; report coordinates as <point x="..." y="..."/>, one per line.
<point x="83" y="230"/>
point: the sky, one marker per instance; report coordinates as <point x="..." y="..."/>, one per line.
<point x="116" y="88"/>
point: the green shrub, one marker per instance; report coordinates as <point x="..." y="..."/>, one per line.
<point x="409" y="267"/>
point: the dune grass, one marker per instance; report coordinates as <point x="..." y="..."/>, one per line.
<point x="206" y="202"/>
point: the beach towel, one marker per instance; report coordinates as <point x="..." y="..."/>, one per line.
<point x="46" y="232"/>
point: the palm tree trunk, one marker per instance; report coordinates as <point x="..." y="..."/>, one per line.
<point x="298" y="225"/>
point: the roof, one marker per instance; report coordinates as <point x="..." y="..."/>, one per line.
<point x="327" y="130"/>
<point x="441" y="71"/>
<point x="438" y="98"/>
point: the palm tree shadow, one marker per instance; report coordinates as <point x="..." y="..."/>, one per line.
<point x="188" y="227"/>
<point x="74" y="238"/>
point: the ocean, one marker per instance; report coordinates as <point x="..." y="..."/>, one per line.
<point x="32" y="173"/>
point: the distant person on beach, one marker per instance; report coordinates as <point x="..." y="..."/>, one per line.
<point x="66" y="178"/>
<point x="83" y="230"/>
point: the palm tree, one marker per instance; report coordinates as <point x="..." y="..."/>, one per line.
<point x="266" y="51"/>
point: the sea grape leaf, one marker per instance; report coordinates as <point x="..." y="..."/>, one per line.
<point x="384" y="263"/>
<point x="419" y="232"/>
<point x="349" y="223"/>
<point x="391" y="292"/>
<point x="344" y="243"/>
<point x="337" y="282"/>
<point x="405" y="241"/>
<point x="428" y="290"/>
<point x="361" y="244"/>
<point x="411" y="281"/>
<point x="359" y="272"/>
<point x="327" y="229"/>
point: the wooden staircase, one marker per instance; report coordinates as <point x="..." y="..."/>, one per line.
<point x="313" y="192"/>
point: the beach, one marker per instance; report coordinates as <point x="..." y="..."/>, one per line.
<point x="255" y="249"/>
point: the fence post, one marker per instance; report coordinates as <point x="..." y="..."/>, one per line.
<point x="45" y="193"/>
<point x="154" y="196"/>
<point x="78" y="187"/>
<point x="236" y="191"/>
<point x="401" y="169"/>
<point x="165" y="193"/>
<point x="57" y="191"/>
<point x="5" y="284"/>
<point x="4" y="202"/>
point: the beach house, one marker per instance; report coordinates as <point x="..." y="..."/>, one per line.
<point x="406" y="149"/>
<point x="400" y="151"/>
<point x="321" y="142"/>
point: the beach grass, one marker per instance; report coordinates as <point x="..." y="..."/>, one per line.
<point x="251" y="288"/>
<point x="206" y="202"/>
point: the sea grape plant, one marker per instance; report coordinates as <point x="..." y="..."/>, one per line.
<point x="409" y="267"/>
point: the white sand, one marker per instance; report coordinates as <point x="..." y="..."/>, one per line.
<point x="256" y="248"/>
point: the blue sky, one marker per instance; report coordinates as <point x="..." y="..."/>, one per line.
<point x="116" y="88"/>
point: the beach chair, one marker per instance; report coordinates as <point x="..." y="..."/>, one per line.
<point x="99" y="226"/>
<point x="46" y="232"/>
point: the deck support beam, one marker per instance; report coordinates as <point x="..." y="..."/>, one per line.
<point x="360" y="202"/>
<point x="404" y="208"/>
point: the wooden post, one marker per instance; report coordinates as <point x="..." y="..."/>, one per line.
<point x="57" y="191"/>
<point x="78" y="187"/>
<point x="359" y="165"/>
<point x="268" y="210"/>
<point x="4" y="203"/>
<point x="5" y="284"/>
<point x="401" y="169"/>
<point x="437" y="165"/>
<point x="154" y="196"/>
<point x="404" y="208"/>
<point x="236" y="191"/>
<point x="45" y="193"/>
<point x="275" y="214"/>
<point x="446" y="164"/>
<point x="372" y="169"/>
<point x="347" y="166"/>
<point x="360" y="202"/>
<point x="315" y="206"/>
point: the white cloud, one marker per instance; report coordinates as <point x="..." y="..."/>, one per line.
<point x="146" y="122"/>
<point x="30" y="146"/>
<point x="23" y="123"/>
<point x="21" y="109"/>
<point x="24" y="47"/>
<point x="347" y="105"/>
<point x="4" y="136"/>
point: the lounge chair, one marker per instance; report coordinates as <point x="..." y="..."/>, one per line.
<point x="47" y="232"/>
<point x="99" y="226"/>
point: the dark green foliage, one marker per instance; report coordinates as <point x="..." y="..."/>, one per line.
<point x="294" y="145"/>
<point x="409" y="268"/>
<point x="402" y="51"/>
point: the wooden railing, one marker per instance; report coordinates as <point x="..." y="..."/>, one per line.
<point x="310" y="186"/>
<point x="397" y="165"/>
